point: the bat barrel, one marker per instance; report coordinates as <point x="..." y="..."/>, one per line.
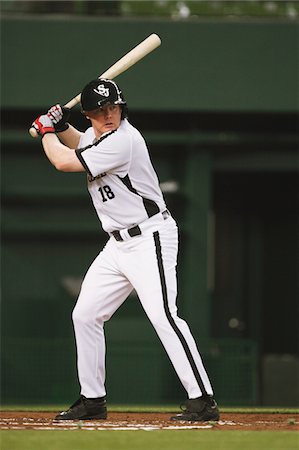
<point x="132" y="57"/>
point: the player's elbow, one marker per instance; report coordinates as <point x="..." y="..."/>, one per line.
<point x="68" y="166"/>
<point x="61" y="166"/>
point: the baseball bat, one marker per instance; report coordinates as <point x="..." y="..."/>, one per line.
<point x="129" y="59"/>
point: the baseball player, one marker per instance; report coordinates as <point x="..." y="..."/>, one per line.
<point x="140" y="254"/>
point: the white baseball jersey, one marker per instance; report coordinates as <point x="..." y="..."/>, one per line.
<point x="121" y="179"/>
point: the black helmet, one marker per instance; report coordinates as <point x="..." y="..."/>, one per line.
<point x="100" y="92"/>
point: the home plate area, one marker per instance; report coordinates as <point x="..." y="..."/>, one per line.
<point x="18" y="420"/>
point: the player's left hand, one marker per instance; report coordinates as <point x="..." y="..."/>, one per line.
<point x="59" y="116"/>
<point x="43" y="125"/>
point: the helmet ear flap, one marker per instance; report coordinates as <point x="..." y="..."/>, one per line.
<point x="124" y="112"/>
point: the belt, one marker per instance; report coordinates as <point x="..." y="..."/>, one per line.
<point x="136" y="230"/>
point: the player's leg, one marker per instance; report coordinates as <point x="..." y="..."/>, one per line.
<point x="200" y="407"/>
<point x="103" y="290"/>
<point x="152" y="271"/>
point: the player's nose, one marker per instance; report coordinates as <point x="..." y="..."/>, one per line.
<point x="108" y="110"/>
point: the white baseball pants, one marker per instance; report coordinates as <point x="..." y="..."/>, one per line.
<point x="148" y="264"/>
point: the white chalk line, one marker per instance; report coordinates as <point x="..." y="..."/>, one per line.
<point x="43" y="424"/>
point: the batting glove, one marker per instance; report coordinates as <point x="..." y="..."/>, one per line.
<point x="43" y="125"/>
<point x="59" y="116"/>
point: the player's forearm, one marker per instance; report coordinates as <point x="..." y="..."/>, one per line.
<point x="70" y="137"/>
<point x="61" y="156"/>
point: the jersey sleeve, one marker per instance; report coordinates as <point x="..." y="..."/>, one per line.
<point x="111" y="153"/>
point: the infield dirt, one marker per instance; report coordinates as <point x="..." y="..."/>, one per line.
<point x="148" y="421"/>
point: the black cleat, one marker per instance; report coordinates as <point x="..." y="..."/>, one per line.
<point x="200" y="409"/>
<point x="85" y="409"/>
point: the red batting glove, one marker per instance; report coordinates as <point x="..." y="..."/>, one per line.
<point x="43" y="125"/>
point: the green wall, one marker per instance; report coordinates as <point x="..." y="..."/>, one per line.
<point x="202" y="65"/>
<point x="50" y="232"/>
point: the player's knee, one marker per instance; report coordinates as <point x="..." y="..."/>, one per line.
<point x="81" y="317"/>
<point x="158" y="320"/>
<point x="87" y="316"/>
<point x="161" y="320"/>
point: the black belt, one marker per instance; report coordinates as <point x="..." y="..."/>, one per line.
<point x="134" y="231"/>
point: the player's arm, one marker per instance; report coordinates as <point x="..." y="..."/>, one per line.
<point x="61" y="156"/>
<point x="70" y="137"/>
<point x="68" y="134"/>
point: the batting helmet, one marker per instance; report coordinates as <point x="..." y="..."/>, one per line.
<point x="100" y="92"/>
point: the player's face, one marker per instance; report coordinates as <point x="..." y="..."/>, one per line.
<point x="105" y="119"/>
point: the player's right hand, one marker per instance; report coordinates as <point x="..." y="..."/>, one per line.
<point x="43" y="125"/>
<point x="59" y="116"/>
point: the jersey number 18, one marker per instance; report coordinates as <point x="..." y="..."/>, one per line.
<point x="106" y="193"/>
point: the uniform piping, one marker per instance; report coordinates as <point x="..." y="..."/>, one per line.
<point x="170" y="318"/>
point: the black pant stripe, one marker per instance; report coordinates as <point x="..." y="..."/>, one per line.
<point x="170" y="318"/>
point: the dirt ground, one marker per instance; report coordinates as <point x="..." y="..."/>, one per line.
<point x="148" y="421"/>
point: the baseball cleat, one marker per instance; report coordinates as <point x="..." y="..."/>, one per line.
<point x="85" y="409"/>
<point x="200" y="409"/>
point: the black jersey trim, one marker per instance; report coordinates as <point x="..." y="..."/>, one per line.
<point x="150" y="206"/>
<point x="79" y="151"/>
<point x="169" y="316"/>
<point x="82" y="161"/>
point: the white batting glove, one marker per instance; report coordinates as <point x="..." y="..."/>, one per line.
<point x="43" y="125"/>
<point x="59" y="116"/>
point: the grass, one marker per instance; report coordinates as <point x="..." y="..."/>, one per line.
<point x="149" y="440"/>
<point x="153" y="408"/>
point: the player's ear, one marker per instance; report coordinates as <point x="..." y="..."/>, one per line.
<point x="84" y="114"/>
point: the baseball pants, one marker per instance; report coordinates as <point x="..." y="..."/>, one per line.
<point x="146" y="263"/>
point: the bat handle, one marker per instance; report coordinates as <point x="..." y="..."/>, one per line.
<point x="70" y="104"/>
<point x="33" y="132"/>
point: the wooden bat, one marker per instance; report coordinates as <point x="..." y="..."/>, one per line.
<point x="129" y="59"/>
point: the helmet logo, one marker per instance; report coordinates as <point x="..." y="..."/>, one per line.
<point x="101" y="90"/>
